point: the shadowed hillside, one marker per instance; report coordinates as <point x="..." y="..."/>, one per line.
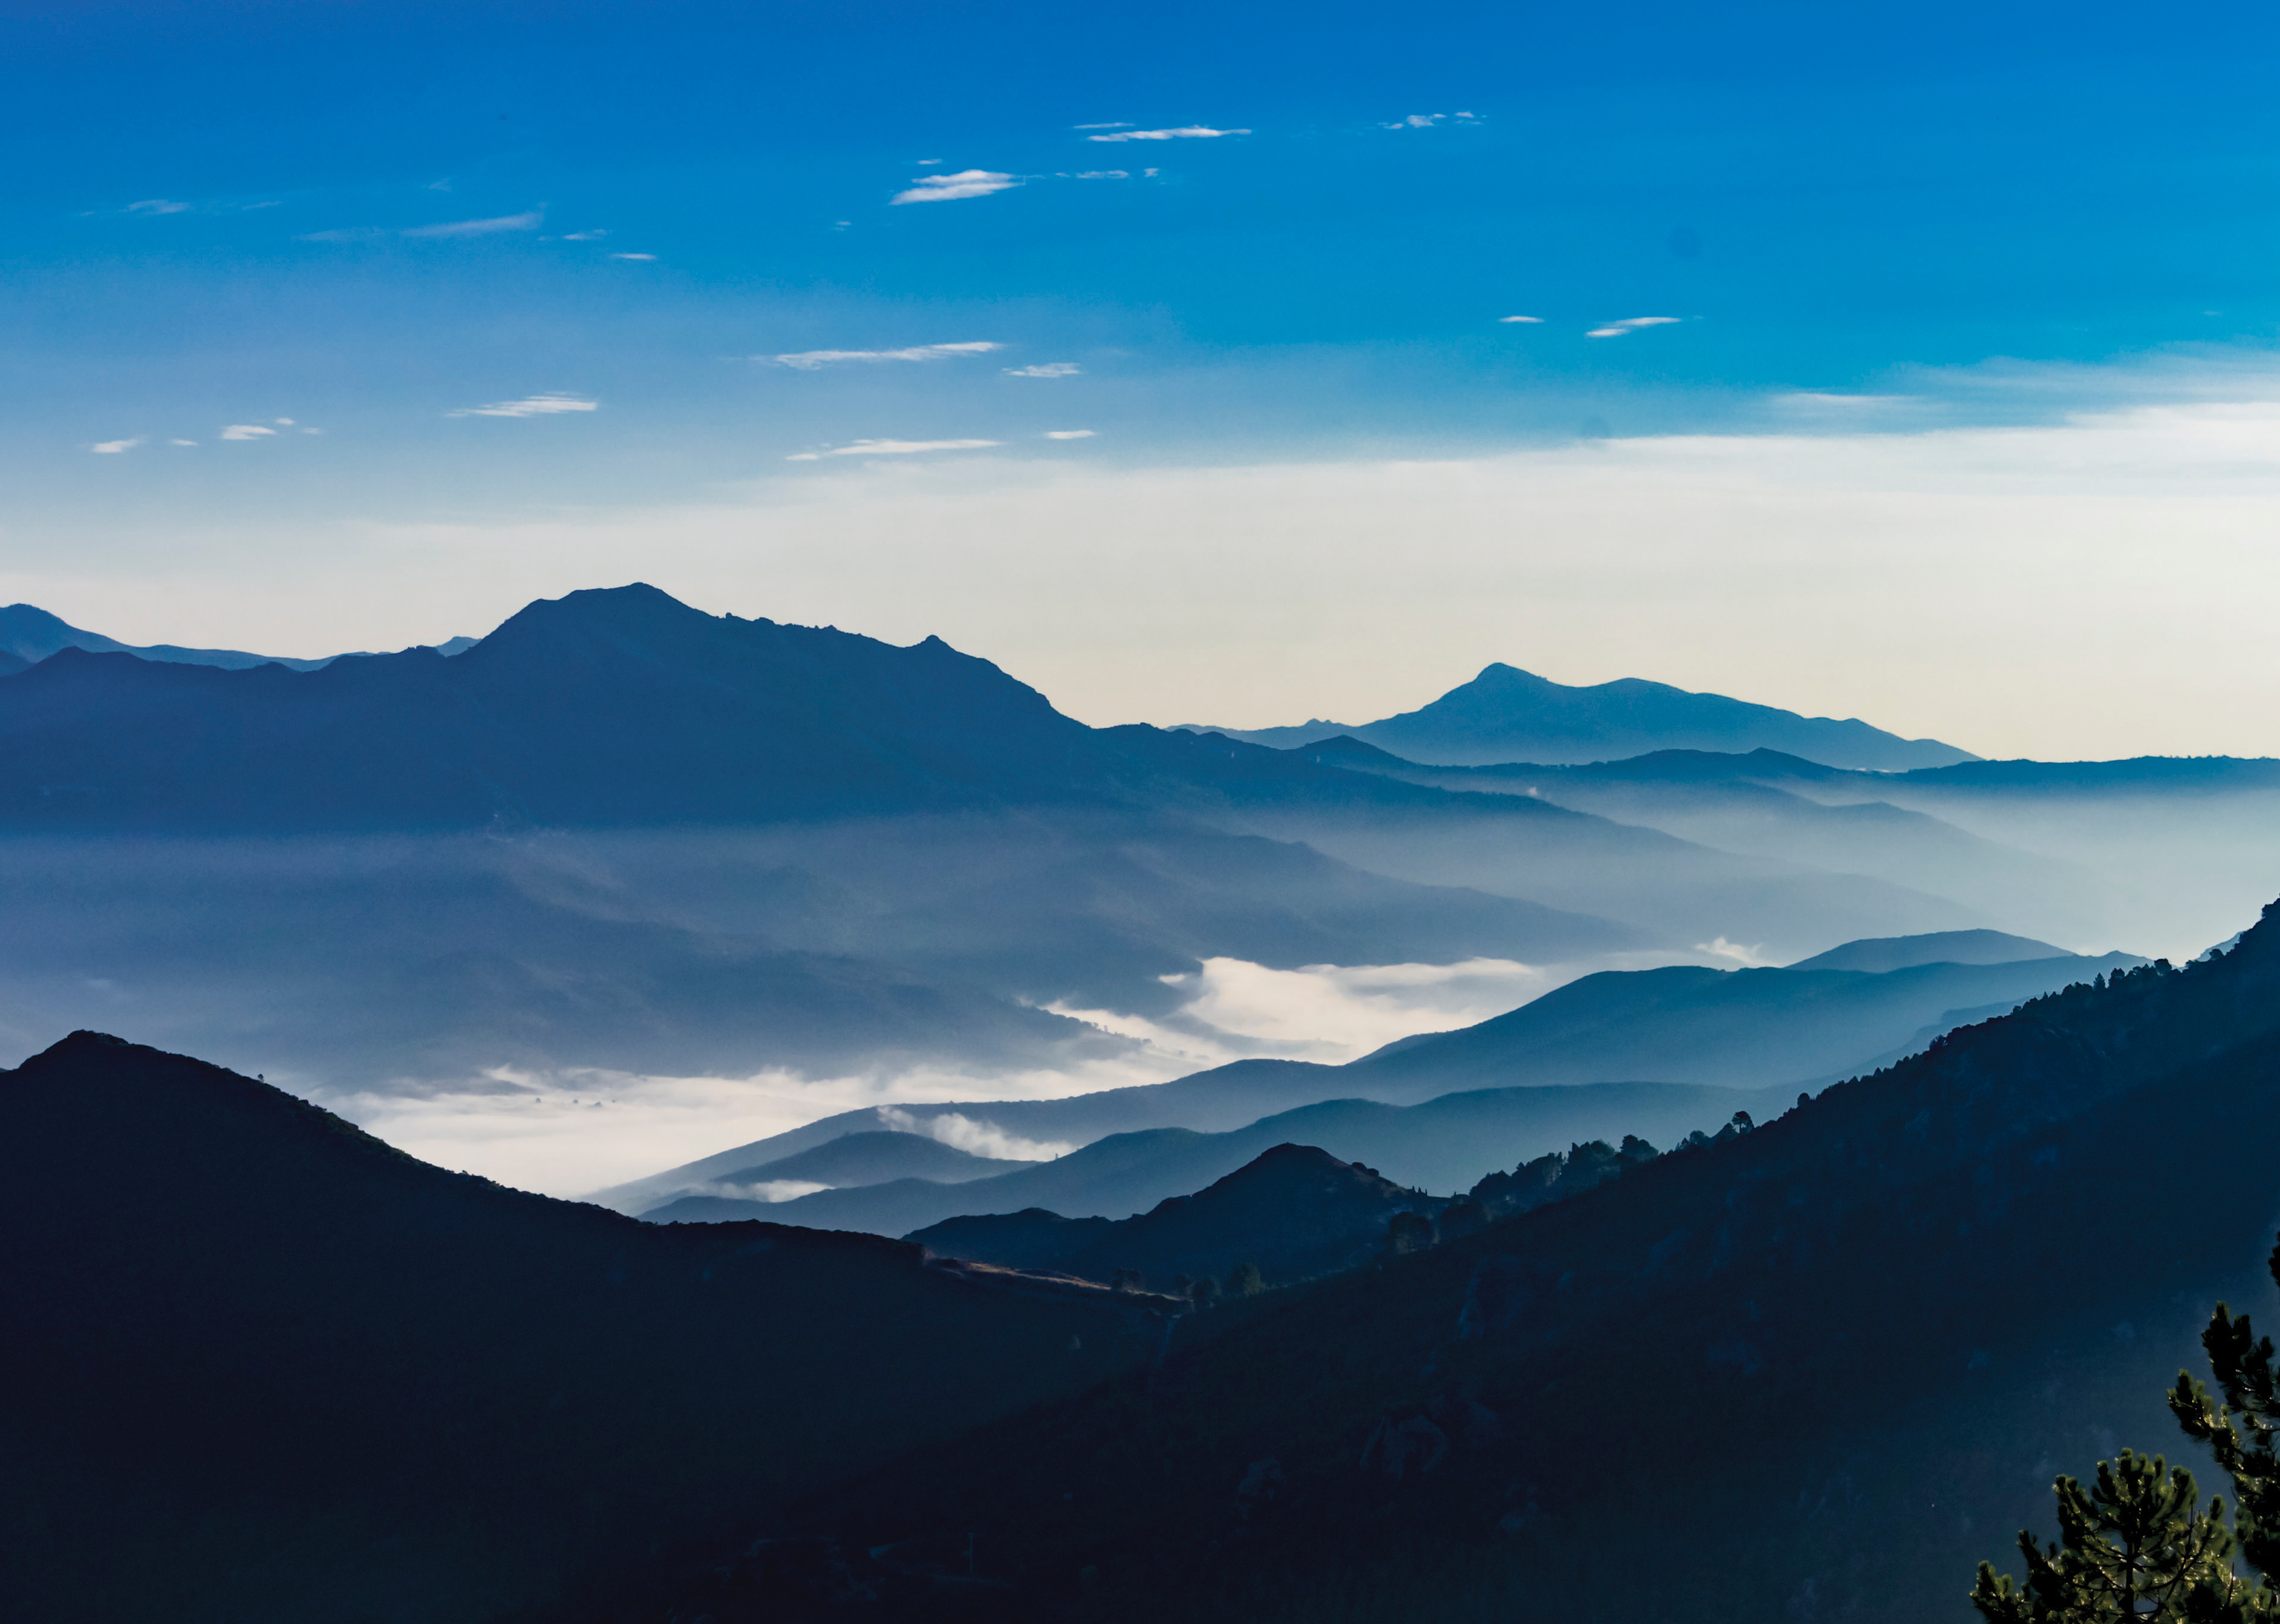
<point x="1816" y="1370"/>
<point x="284" y="1372"/>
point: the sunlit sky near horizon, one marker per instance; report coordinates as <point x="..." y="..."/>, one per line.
<point x="1235" y="363"/>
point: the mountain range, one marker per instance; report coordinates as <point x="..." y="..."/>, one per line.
<point x="1507" y="714"/>
<point x="1829" y="1364"/>
<point x="621" y="834"/>
<point x="1660" y="1053"/>
<point x="30" y="634"/>
<point x="285" y="1372"/>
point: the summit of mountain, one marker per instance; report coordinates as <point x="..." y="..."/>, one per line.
<point x="1507" y="714"/>
<point x="1881" y="955"/>
<point x="1293" y="1211"/>
<point x="277" y="1362"/>
<point x="604" y="705"/>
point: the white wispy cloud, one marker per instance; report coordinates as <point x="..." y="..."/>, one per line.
<point x="1045" y="369"/>
<point x="1430" y="120"/>
<point x="1120" y="124"/>
<point x="1186" y="132"/>
<point x="1533" y="320"/>
<point x="157" y="205"/>
<point x="1631" y="324"/>
<point x="950" y="187"/>
<point x="644" y="257"/>
<point x="530" y="405"/>
<point x="1750" y="957"/>
<point x="892" y="448"/>
<point x="248" y="431"/>
<point x="1099" y="175"/>
<point x="1070" y="434"/>
<point x="112" y="448"/>
<point x="594" y="235"/>
<point x="181" y="443"/>
<point x="809" y="360"/>
<point x="529" y="220"/>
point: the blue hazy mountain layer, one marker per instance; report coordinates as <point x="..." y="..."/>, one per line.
<point x="1956" y="946"/>
<point x="874" y="1159"/>
<point x="1292" y="1212"/>
<point x="1506" y="714"/>
<point x="1443" y="1145"/>
<point x="30" y="634"/>
<point x="2013" y="1242"/>
<point x="1770" y="1032"/>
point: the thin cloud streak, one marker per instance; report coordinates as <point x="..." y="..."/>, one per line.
<point x="530" y="405"/>
<point x="951" y="188"/>
<point x="1631" y="324"/>
<point x="530" y="220"/>
<point x="1045" y="369"/>
<point x="892" y="448"/>
<point x="112" y="448"/>
<point x="1188" y="132"/>
<point x="810" y="360"/>
<point x="247" y="431"/>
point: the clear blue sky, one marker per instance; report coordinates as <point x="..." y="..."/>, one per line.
<point x="402" y="223"/>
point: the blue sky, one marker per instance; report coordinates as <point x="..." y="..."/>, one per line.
<point x="516" y="259"/>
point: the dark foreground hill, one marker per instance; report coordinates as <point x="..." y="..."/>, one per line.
<point x="261" y="1367"/>
<point x="1813" y="1372"/>
<point x="1506" y="714"/>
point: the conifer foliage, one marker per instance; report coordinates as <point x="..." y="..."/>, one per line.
<point x="2136" y="1546"/>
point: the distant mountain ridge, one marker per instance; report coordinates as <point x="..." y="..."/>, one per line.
<point x="1842" y="1354"/>
<point x="1293" y="1211"/>
<point x="1657" y="1052"/>
<point x="29" y="635"/>
<point x="1507" y="714"/>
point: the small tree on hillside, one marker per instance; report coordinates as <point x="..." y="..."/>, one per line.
<point x="2134" y="1546"/>
<point x="1244" y="1281"/>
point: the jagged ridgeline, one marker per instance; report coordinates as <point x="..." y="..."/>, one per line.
<point x="1814" y="1370"/>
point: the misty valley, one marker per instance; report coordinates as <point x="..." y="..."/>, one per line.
<point x="1331" y="1171"/>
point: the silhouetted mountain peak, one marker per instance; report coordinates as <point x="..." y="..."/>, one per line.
<point x="1506" y="714"/>
<point x="1881" y="955"/>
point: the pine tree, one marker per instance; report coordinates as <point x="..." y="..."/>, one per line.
<point x="2133" y="1546"/>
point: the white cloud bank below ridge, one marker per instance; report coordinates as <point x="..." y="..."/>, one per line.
<point x="569" y="1133"/>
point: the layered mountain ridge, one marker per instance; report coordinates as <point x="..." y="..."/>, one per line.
<point x="1507" y="714"/>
